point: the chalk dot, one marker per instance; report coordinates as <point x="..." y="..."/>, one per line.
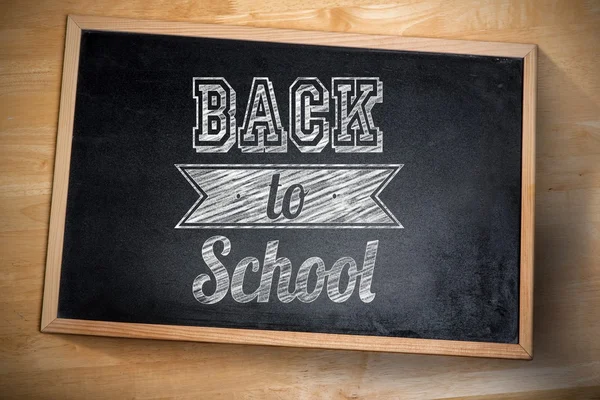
<point x="238" y="195"/>
<point x="334" y="195"/>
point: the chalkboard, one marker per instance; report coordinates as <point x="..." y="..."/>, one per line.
<point x="275" y="187"/>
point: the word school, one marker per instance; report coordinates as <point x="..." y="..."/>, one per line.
<point x="330" y="279"/>
<point x="353" y="131"/>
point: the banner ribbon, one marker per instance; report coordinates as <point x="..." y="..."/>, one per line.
<point x="288" y="196"/>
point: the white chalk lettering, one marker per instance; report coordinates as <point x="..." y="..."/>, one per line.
<point x="215" y="115"/>
<point x="329" y="279"/>
<point x="354" y="130"/>
<point x="262" y="130"/>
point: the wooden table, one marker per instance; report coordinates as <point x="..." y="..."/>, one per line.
<point x="567" y="297"/>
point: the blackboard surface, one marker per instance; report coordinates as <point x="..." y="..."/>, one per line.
<point x="452" y="121"/>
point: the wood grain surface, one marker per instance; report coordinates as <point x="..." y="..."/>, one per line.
<point x="567" y="242"/>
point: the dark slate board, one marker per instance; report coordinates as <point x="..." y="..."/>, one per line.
<point x="454" y="122"/>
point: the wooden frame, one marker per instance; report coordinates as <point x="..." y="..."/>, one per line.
<point x="51" y="323"/>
